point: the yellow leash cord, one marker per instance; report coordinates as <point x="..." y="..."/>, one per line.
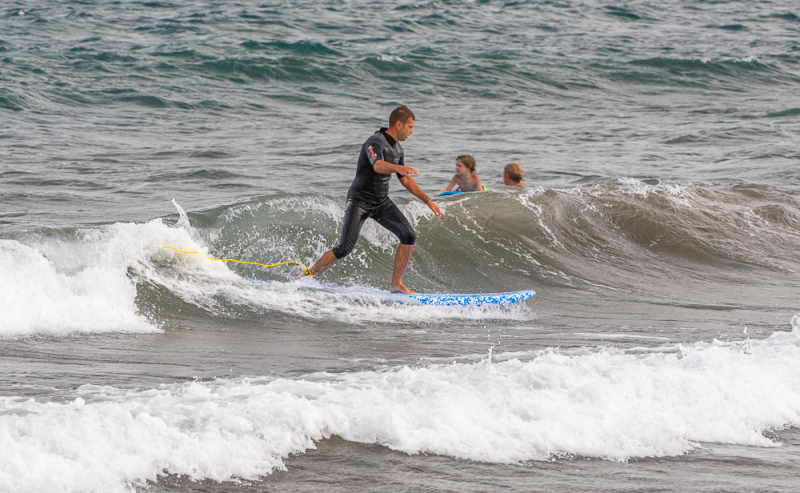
<point x="306" y="269"/>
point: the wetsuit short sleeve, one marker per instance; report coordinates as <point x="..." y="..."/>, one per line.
<point x="369" y="186"/>
<point x="374" y="153"/>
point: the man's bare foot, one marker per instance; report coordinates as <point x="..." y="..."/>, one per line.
<point x="327" y="259"/>
<point x="400" y="288"/>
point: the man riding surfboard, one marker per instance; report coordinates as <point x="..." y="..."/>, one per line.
<point x="368" y="196"/>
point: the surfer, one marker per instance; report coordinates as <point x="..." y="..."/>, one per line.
<point x="368" y="196"/>
<point x="512" y="175"/>
<point x="465" y="178"/>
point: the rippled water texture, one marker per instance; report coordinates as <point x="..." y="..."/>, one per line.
<point x="133" y="103"/>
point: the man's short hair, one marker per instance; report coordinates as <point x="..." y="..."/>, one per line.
<point x="514" y="171"/>
<point x="467" y="161"/>
<point x="400" y="114"/>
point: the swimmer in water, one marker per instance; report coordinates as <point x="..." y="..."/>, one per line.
<point x="368" y="196"/>
<point x="512" y="175"/>
<point x="465" y="178"/>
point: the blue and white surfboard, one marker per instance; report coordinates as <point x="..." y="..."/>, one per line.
<point x="436" y="299"/>
<point x="463" y="299"/>
<point x="456" y="192"/>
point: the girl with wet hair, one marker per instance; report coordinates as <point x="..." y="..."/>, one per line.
<point x="512" y="175"/>
<point x="465" y="178"/>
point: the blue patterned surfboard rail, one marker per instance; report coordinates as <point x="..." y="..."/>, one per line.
<point x="466" y="299"/>
<point x="439" y="299"/>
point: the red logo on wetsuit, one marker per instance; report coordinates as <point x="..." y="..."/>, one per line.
<point x="372" y="156"/>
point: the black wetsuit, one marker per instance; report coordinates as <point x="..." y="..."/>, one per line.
<point x="369" y="195"/>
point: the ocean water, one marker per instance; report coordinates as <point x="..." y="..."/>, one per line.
<point x="660" y="229"/>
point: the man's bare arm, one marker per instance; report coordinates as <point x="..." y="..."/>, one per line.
<point x="411" y="186"/>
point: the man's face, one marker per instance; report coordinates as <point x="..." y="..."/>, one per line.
<point x="405" y="129"/>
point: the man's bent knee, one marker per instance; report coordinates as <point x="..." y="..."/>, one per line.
<point x="343" y="250"/>
<point x="408" y="238"/>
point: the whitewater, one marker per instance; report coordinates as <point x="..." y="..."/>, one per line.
<point x="608" y="404"/>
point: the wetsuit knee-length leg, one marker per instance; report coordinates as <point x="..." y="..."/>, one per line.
<point x="387" y="214"/>
<point x="390" y="217"/>
<point x="355" y="214"/>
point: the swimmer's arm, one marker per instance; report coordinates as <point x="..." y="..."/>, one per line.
<point x="449" y="186"/>
<point x="411" y="186"/>
<point x="480" y="185"/>
<point x="386" y="168"/>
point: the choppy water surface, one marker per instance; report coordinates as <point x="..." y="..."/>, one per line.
<point x="659" y="229"/>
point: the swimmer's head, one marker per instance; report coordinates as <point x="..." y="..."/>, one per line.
<point x="467" y="161"/>
<point x="402" y="119"/>
<point x="513" y="173"/>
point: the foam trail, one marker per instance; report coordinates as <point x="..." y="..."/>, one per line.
<point x="86" y="282"/>
<point x="311" y="300"/>
<point x="203" y="282"/>
<point x="606" y="404"/>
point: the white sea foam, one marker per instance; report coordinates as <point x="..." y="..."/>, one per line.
<point x="390" y="58"/>
<point x="606" y="404"/>
<point x="83" y="284"/>
<point x="312" y="300"/>
<point x="46" y="294"/>
<point x="88" y="283"/>
<point x="204" y="282"/>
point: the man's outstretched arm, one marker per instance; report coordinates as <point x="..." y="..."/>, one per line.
<point x="386" y="168"/>
<point x="411" y="186"/>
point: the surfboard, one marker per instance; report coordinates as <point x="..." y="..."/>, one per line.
<point x="435" y="299"/>
<point x="443" y="299"/>
<point x="454" y="192"/>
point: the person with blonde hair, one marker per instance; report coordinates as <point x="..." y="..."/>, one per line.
<point x="512" y="175"/>
<point x="465" y="178"/>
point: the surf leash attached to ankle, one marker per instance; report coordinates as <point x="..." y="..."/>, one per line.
<point x="307" y="271"/>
